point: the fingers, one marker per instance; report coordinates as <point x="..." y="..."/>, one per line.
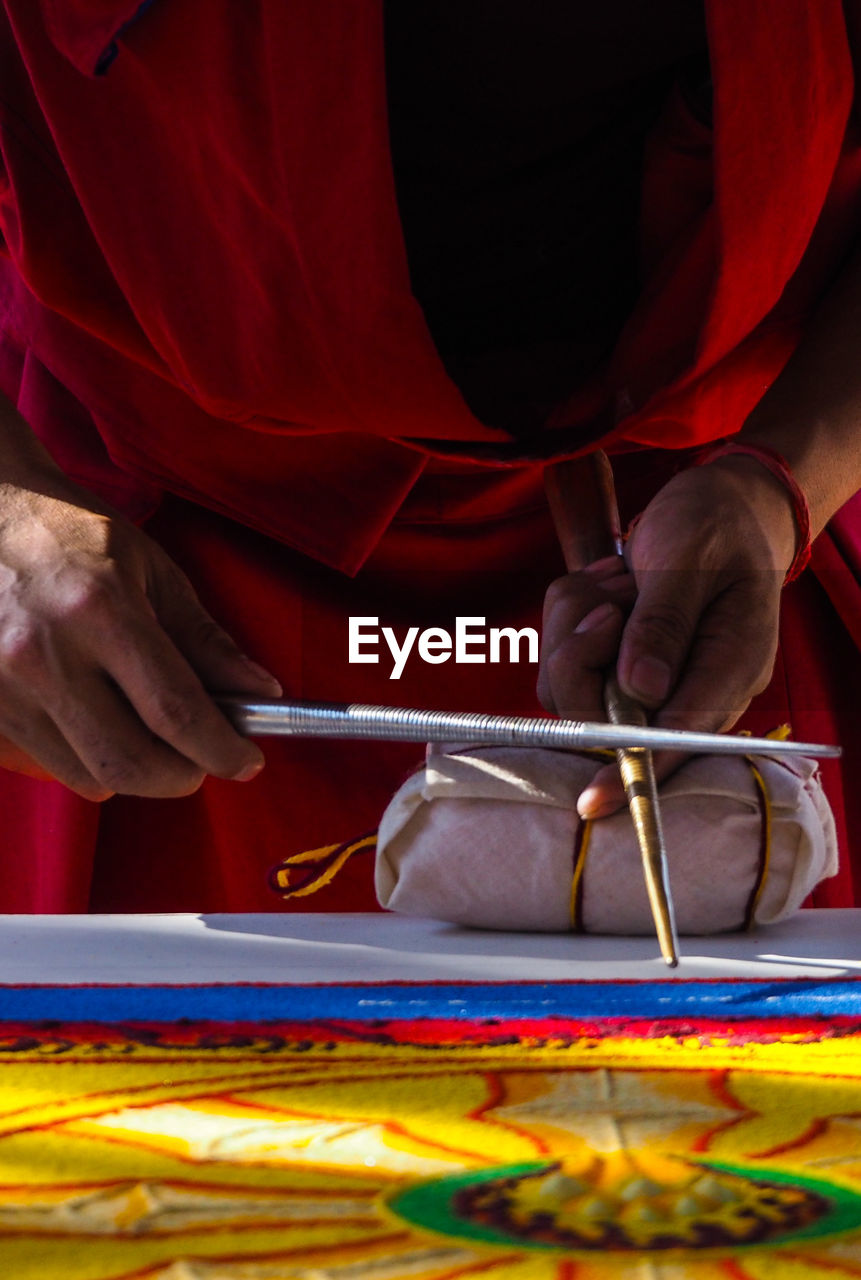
<point x="213" y="654"/>
<point x="605" y="794"/>
<point x="103" y="700"/>
<point x="698" y="660"/>
<point x="35" y="746"/>
<point x="67" y="714"/>
<point x="106" y="657"/>
<point x="140" y="724"/>
<point x="659" y="633"/>
<point x="116" y="749"/>
<point x="701" y="636"/>
<point x="583" y="617"/>
<point x="166" y="656"/>
<point x="167" y="695"/>
<point x="729" y="660"/>
<point x="574" y="673"/>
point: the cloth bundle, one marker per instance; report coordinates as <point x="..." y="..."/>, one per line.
<point x="491" y="837"/>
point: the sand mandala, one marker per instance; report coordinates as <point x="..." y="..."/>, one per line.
<point x="433" y="1147"/>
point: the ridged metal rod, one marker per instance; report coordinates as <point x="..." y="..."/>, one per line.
<point x="289" y="719"/>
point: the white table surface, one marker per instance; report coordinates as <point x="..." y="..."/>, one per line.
<point x="354" y="948"/>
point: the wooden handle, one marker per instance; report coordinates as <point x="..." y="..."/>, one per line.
<point x="582" y="500"/>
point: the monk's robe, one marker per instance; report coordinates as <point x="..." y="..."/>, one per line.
<point x="225" y="309"/>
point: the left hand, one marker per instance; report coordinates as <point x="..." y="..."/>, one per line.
<point x="694" y="618"/>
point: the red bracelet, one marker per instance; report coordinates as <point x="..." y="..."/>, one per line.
<point x="779" y="467"/>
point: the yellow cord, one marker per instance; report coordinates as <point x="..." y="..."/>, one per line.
<point x="331" y="856"/>
<point x="577" y="878"/>
<point x="765" y="860"/>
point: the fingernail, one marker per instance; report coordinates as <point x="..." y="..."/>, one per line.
<point x="260" y="672"/>
<point x="650" y="679"/>
<point x="250" y="771"/>
<point x="596" y="618"/>
<point x="594" y="804"/>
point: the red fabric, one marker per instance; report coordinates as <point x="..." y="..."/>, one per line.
<point x="86" y="32"/>
<point x="219" y="280"/>
<point x="213" y="851"/>
<point x="242" y="285"/>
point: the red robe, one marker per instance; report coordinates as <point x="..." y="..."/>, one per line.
<point x="207" y="317"/>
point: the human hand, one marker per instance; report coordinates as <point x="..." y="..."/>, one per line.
<point x="106" y="655"/>
<point x="690" y="618"/>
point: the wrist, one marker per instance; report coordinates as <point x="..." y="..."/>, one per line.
<point x="28" y="471"/>
<point x="772" y="490"/>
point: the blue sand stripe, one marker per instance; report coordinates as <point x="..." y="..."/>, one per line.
<point x="588" y="1000"/>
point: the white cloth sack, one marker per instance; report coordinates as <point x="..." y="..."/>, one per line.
<point x="486" y="836"/>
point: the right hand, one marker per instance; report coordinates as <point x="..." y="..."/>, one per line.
<point x="696" y="640"/>
<point x="106" y="655"/>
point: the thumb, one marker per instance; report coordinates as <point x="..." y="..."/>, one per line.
<point x="216" y="658"/>
<point x="659" y="634"/>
